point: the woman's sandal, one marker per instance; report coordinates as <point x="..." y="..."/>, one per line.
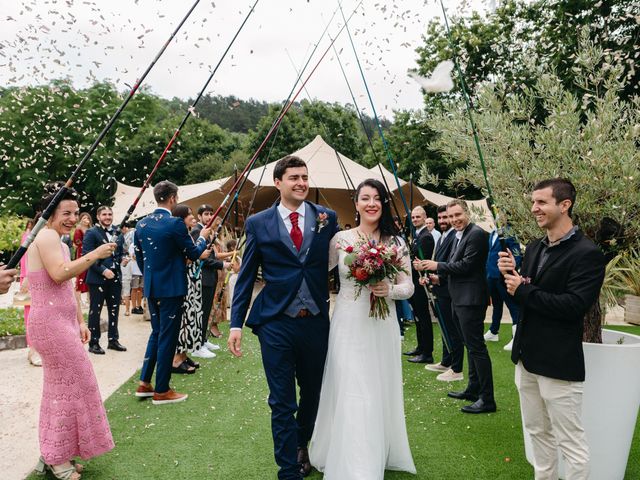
<point x="192" y="363"/>
<point x="34" y="359"/>
<point x="184" y="367"/>
<point x="70" y="473"/>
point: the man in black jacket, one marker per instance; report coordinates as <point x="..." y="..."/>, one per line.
<point x="559" y="281"/>
<point x="104" y="281"/>
<point x="209" y="272"/>
<point x="465" y="270"/>
<point x="450" y="368"/>
<point x="421" y="248"/>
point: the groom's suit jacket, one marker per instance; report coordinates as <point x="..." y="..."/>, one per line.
<point x="269" y="246"/>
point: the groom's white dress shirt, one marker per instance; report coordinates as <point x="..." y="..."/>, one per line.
<point x="285" y="212"/>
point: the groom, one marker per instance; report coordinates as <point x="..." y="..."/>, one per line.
<point x="290" y="316"/>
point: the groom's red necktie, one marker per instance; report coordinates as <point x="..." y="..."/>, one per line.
<point x="296" y="233"/>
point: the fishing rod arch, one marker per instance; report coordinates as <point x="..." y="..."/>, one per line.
<point x="275" y="125"/>
<point x="190" y="111"/>
<point x="254" y="158"/>
<point x="55" y="201"/>
<point x="273" y="130"/>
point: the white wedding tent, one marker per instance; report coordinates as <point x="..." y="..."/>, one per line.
<point x="332" y="179"/>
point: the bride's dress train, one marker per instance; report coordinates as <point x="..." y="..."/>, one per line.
<point x="360" y="429"/>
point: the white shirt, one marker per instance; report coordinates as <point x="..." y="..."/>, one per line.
<point x="135" y="270"/>
<point x="435" y="234"/>
<point x="285" y="212"/>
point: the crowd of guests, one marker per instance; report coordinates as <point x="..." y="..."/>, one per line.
<point x="456" y="270"/>
<point x="117" y="282"/>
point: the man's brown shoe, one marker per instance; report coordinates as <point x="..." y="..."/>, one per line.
<point x="168" y="397"/>
<point x="303" y="461"/>
<point x="144" y="391"/>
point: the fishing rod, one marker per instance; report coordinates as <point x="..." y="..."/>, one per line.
<point x="501" y="229"/>
<point x="366" y="132"/>
<point x="343" y="170"/>
<point x="274" y="127"/>
<point x="252" y="161"/>
<point x="48" y="211"/>
<point x="190" y="111"/>
<point x="428" y="292"/>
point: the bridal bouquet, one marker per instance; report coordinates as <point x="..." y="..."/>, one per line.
<point x="370" y="262"/>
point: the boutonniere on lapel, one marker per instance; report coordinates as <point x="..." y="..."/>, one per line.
<point x="322" y="221"/>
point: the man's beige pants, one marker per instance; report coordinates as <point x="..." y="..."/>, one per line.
<point x="552" y="414"/>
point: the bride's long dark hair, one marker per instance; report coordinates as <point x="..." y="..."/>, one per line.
<point x="386" y="224"/>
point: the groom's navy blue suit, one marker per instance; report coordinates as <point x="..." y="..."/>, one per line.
<point x="290" y="316"/>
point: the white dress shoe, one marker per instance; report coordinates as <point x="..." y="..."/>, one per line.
<point x="211" y="346"/>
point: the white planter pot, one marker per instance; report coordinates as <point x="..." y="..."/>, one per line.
<point x="610" y="404"/>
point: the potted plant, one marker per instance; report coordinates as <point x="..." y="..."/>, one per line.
<point x="631" y="278"/>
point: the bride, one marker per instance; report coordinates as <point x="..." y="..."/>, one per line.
<point x="360" y="428"/>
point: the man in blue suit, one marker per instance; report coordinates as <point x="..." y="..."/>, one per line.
<point x="104" y="281"/>
<point x="290" y="316"/>
<point x="162" y="244"/>
<point x="497" y="289"/>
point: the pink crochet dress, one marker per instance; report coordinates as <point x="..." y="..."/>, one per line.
<point x="73" y="421"/>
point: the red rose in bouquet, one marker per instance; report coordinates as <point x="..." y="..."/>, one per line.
<point x="369" y="263"/>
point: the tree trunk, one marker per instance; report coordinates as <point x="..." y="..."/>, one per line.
<point x="593" y="324"/>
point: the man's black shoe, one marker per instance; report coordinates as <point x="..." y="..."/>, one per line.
<point x="480" y="406"/>
<point x="463" y="396"/>
<point x="116" y="345"/>
<point x="412" y="353"/>
<point x="97" y="349"/>
<point x="421" y="359"/>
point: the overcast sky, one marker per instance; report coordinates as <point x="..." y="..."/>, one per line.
<point x="87" y="40"/>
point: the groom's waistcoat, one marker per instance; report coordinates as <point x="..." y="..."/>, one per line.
<point x="303" y="298"/>
<point x="293" y="280"/>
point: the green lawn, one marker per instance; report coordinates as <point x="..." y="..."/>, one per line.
<point x="223" y="430"/>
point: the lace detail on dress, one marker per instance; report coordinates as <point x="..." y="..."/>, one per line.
<point x="403" y="287"/>
<point x="73" y="421"/>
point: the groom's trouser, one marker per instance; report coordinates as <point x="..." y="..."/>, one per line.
<point x="166" y="315"/>
<point x="293" y="349"/>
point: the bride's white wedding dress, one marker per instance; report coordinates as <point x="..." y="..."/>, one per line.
<point x="360" y="429"/>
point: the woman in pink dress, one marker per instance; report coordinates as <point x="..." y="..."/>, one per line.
<point x="73" y="421"/>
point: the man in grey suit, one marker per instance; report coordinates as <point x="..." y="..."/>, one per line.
<point x="465" y="270"/>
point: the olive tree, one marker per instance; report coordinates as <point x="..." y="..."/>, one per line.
<point x="591" y="138"/>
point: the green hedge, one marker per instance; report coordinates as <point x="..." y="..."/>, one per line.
<point x="11" y="321"/>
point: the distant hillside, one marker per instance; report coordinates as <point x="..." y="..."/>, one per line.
<point x="230" y="113"/>
<point x="240" y="116"/>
